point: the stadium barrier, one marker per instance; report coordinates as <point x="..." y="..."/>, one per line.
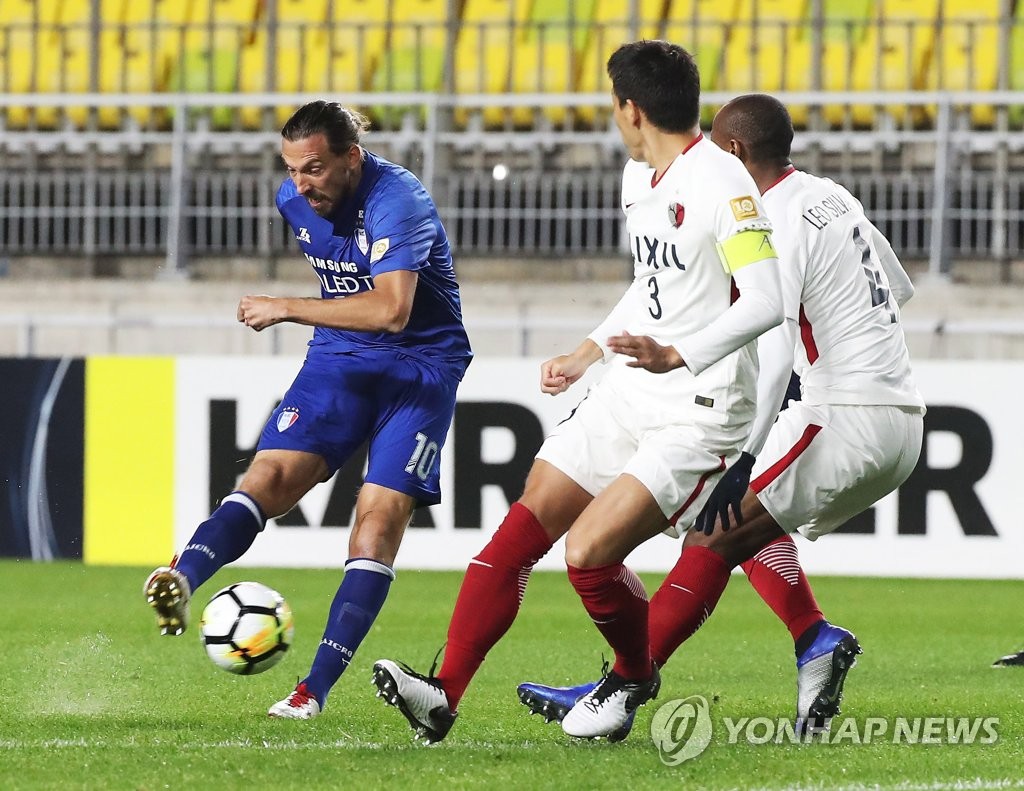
<point x="93" y="443"/>
<point x="941" y="193"/>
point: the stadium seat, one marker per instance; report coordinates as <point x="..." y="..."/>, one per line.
<point x="967" y="52"/>
<point x="844" y="24"/>
<point x="1017" y="64"/>
<point x="703" y="27"/>
<point x="612" y="28"/>
<point x="29" y="49"/>
<point x="210" y="62"/>
<point x="484" y="51"/>
<point x="300" y="41"/>
<point x="549" y="53"/>
<point x="414" y="60"/>
<point x="357" y="40"/>
<point x="765" y="51"/>
<point x="153" y="44"/>
<point x="894" y="55"/>
<point x="76" y="47"/>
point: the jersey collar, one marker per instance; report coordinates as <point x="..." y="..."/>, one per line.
<point x="785" y="174"/>
<point x="655" y="178"/>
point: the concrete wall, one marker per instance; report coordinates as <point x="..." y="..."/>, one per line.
<point x="538" y="308"/>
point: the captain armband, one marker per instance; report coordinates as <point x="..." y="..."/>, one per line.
<point x="745" y="248"/>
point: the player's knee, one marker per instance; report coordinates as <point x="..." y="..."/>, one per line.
<point x="721" y="542"/>
<point x="582" y="553"/>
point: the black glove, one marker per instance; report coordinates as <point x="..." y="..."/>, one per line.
<point x="792" y="390"/>
<point x="728" y="492"/>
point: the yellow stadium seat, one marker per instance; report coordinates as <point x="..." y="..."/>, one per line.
<point x="153" y="47"/>
<point x="1016" y="75"/>
<point x="300" y="65"/>
<point x="703" y="27"/>
<point x="966" y="55"/>
<point x="786" y="57"/>
<point x="358" y="35"/>
<point x="612" y="28"/>
<point x="414" y="60"/>
<point x="217" y="32"/>
<point x="488" y="35"/>
<point x="77" y="44"/>
<point x="894" y="55"/>
<point x="766" y="51"/>
<point x="549" y="54"/>
<point x="29" y="48"/>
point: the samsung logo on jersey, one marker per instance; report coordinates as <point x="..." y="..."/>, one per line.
<point x="331" y="265"/>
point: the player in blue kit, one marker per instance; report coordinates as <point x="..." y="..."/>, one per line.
<point x="387" y="354"/>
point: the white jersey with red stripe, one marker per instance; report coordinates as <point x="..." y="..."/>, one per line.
<point x="680" y="227"/>
<point x="851" y="347"/>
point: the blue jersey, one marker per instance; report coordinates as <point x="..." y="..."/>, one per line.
<point x="389" y="223"/>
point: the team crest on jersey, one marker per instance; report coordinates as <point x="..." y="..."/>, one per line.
<point x="743" y="208"/>
<point x="676" y="212"/>
<point x="287" y="418"/>
<point x="379" y="248"/>
<point x="303" y="235"/>
<point x="361" y="241"/>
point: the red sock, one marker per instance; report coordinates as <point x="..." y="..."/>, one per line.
<point x="489" y="597"/>
<point x="686" y="599"/>
<point x="777" y="577"/>
<point x="617" y="602"/>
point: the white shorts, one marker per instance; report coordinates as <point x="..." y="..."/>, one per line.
<point x="823" y="465"/>
<point x="679" y="463"/>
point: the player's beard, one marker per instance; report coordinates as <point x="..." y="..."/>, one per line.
<point x="323" y="203"/>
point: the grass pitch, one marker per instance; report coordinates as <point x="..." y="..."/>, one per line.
<point x="92" y="698"/>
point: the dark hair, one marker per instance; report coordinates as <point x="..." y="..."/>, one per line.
<point x="342" y="127"/>
<point x="762" y="123"/>
<point x="661" y="79"/>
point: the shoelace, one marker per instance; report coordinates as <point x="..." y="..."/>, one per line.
<point x="429" y="678"/>
<point x="300" y="697"/>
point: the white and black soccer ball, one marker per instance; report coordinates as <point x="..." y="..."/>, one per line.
<point x="246" y="628"/>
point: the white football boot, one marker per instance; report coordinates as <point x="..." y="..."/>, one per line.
<point x="420" y="698"/>
<point x="299" y="705"/>
<point x="612" y="703"/>
<point x="820" y="675"/>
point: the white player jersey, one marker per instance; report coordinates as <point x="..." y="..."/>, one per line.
<point x="851" y="348"/>
<point x="679" y="228"/>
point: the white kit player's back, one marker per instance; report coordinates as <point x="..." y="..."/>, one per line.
<point x="851" y="348"/>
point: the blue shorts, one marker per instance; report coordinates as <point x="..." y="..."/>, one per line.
<point x="401" y="405"/>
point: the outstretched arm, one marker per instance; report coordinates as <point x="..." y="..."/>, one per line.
<point x="559" y="373"/>
<point x="385" y="308"/>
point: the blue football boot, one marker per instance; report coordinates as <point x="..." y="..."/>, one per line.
<point x="820" y="674"/>
<point x="553" y="703"/>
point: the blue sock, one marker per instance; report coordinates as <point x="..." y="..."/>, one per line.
<point x="222" y="538"/>
<point x="353" y="611"/>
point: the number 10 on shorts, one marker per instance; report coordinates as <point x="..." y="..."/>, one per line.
<point x="423" y="457"/>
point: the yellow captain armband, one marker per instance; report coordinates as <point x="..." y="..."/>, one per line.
<point x="744" y="248"/>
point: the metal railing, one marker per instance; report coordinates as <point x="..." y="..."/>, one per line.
<point x="945" y="193"/>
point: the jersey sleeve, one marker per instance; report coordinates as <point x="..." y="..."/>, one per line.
<point x="616" y="321"/>
<point x="744" y="236"/>
<point x="400" y="228"/>
<point x="775" y="366"/>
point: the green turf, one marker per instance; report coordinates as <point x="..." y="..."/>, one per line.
<point x="93" y="698"/>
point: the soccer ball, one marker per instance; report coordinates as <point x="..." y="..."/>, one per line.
<point x="246" y="628"/>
